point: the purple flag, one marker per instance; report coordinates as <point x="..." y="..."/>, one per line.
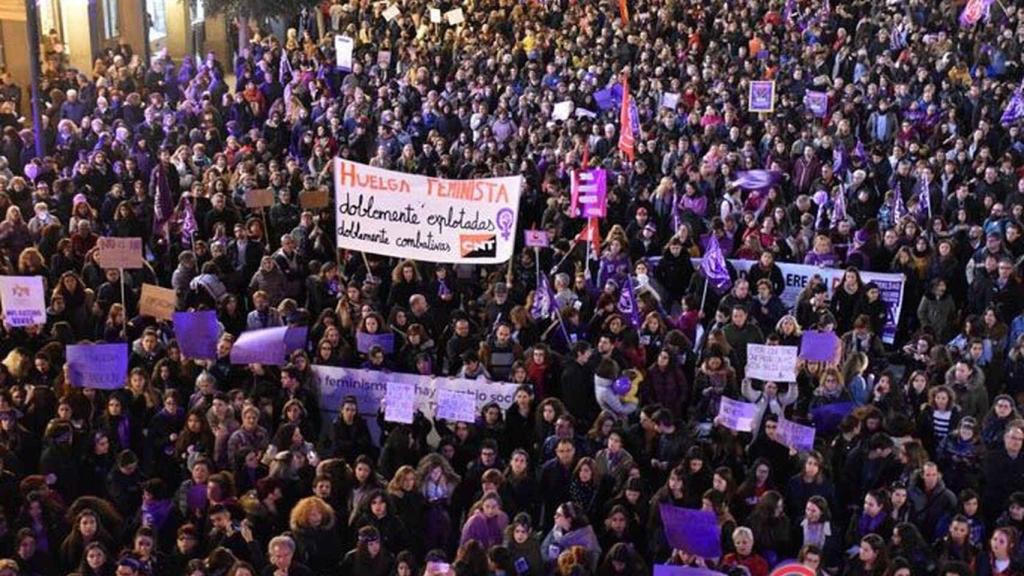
<point x="163" y="204"/>
<point x="365" y="341"/>
<point x="1014" y="108"/>
<point x="443" y="289"/>
<point x="609" y="98"/>
<point x="858" y="151"/>
<point x="627" y="303"/>
<point x="757" y="179"/>
<point x="100" y="366"/>
<point x="899" y="209"/>
<point x="787" y="11"/>
<point x="974" y="11"/>
<point x="189" y="226"/>
<point x="817" y="346"/>
<point x="268" y="346"/>
<point x="839" y="161"/>
<point x="543" y="299"/>
<point x="924" y="200"/>
<point x="692" y="531"/>
<point x="816" y="102"/>
<point x="197" y="333"/>
<point x="839" y="206"/>
<point x="713" y="266"/>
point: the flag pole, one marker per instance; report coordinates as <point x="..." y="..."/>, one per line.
<point x="124" y="303"/>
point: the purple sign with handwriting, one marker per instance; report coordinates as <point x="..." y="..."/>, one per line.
<point x="197" y="333"/>
<point x="761" y="96"/>
<point x="816" y="346"/>
<point x="796" y="436"/>
<point x="101" y="366"/>
<point x="365" y="341"/>
<point x="692" y="531"/>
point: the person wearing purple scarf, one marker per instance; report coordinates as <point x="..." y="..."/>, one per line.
<point x="872" y="520"/>
<point x="822" y="254"/>
<point x="614" y="264"/>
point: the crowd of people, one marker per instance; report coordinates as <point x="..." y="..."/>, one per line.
<point x="206" y="468"/>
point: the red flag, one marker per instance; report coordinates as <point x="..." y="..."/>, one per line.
<point x="626" y="137"/>
<point x="586" y="154"/>
<point x="591" y="233"/>
<point x="624" y="12"/>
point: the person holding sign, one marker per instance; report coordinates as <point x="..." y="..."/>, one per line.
<point x="768" y="400"/>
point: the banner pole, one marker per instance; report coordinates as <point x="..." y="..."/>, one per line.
<point x="124" y="304"/>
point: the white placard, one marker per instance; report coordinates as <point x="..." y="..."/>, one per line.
<point x="562" y="110"/>
<point x="401" y="402"/>
<point x="771" y="363"/>
<point x="435" y="15"/>
<point x="455" y="17"/>
<point x="425" y="218"/>
<point x="391" y="13"/>
<point x="670" y="100"/>
<point x="455" y="405"/>
<point x="343" y="48"/>
<point x="23" y="299"/>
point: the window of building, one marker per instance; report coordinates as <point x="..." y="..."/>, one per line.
<point x="111" y="19"/>
<point x="157" y="19"/>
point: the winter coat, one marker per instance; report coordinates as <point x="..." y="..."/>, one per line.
<point x="607" y="399"/>
<point x="928" y="508"/>
<point x="972" y="396"/>
<point x="667" y="387"/>
<point x="939" y="315"/>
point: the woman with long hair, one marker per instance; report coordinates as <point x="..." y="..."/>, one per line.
<point x="485" y="521"/>
<point x="437" y="482"/>
<point x="409" y="502"/>
<point x="375" y="510"/>
<point x="86" y="529"/>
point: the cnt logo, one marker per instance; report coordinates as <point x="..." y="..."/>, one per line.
<point x="478" y="245"/>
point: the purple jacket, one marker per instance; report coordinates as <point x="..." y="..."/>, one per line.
<point x="488" y="531"/>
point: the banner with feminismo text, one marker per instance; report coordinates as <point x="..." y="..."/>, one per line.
<point x="432" y="219"/>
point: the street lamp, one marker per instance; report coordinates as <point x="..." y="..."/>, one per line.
<point x="35" y="72"/>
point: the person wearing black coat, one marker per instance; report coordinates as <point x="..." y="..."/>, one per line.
<point x="1003" y="471"/>
<point x="767" y="269"/>
<point x="555" y="476"/>
<point x="675" y="270"/>
<point x="577" y="384"/>
<point x="349" y="436"/>
<point x="930" y="501"/>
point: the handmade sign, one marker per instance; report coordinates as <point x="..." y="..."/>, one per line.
<point x="401" y="402"/>
<point x="795" y="436"/>
<point x="157" y="302"/>
<point x="125" y="253"/>
<point x="100" y="366"/>
<point x="343" y="50"/>
<point x="536" y="238"/>
<point x="771" y="363"/>
<point x="736" y="415"/>
<point x="23" y="300"/>
<point x="268" y="346"/>
<point x="259" y="198"/>
<point x="456" y="405"/>
<point x="430" y="219"/>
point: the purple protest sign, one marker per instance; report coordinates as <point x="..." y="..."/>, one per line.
<point x="692" y="531"/>
<point x="828" y="417"/>
<point x="536" y="238"/>
<point x="669" y="570"/>
<point x="589" y="193"/>
<point x="197" y="333"/>
<point x="761" y="96"/>
<point x="816" y="102"/>
<point x="818" y="346"/>
<point x="796" y="436"/>
<point x="101" y="366"/>
<point x="365" y="341"/>
<point x="268" y="346"/>
<point x="736" y="415"/>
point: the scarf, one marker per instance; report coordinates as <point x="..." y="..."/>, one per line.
<point x="156" y="512"/>
<point x="866" y="524"/>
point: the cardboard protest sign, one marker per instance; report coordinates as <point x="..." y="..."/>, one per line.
<point x="692" y="531"/>
<point x="435" y="15"/>
<point x="736" y="415"/>
<point x="100" y="366"/>
<point x="259" y="198"/>
<point x="315" y="199"/>
<point x="125" y="253"/>
<point x="401" y="402"/>
<point x="23" y="299"/>
<point x="197" y="333"/>
<point x="157" y="302"/>
<point x="391" y="12"/>
<point x="562" y="110"/>
<point x="771" y="363"/>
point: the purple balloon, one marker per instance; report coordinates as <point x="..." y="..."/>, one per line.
<point x="622" y="385"/>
